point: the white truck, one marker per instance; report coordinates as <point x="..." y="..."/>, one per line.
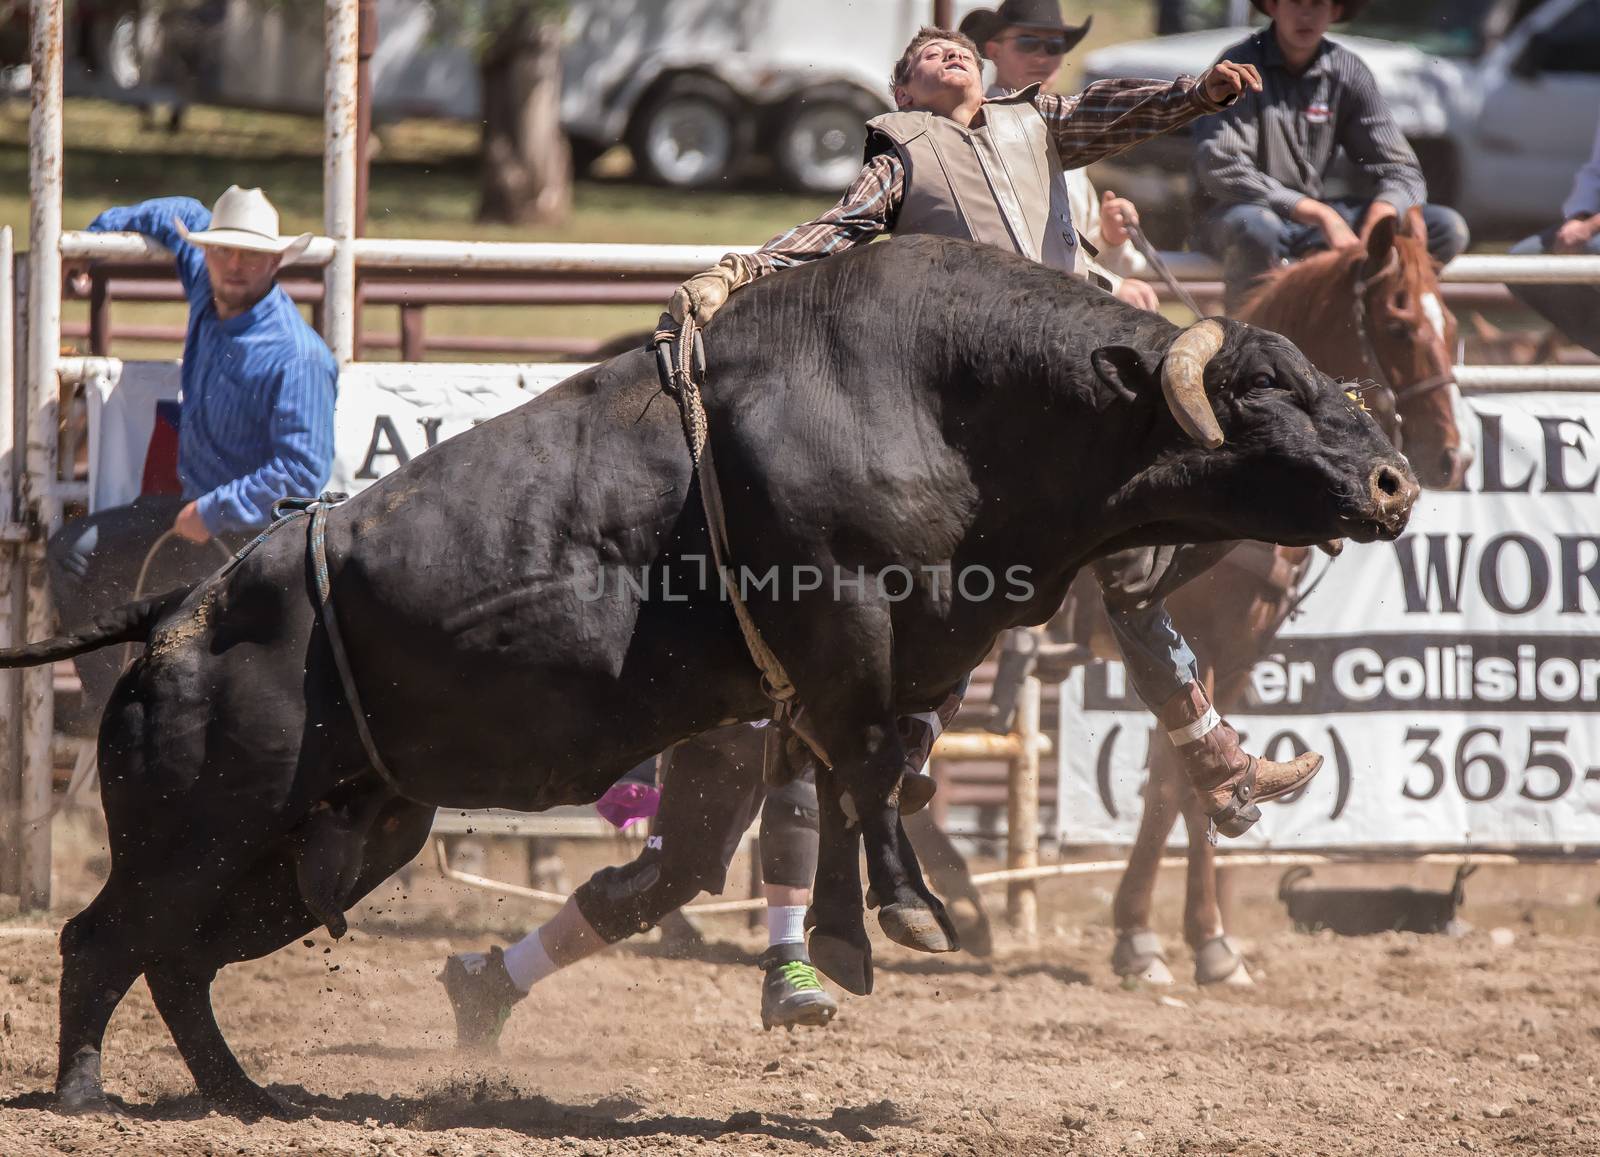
<point x="692" y="87"/>
<point x="1499" y="98"/>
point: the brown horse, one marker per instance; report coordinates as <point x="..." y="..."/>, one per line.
<point x="1371" y="315"/>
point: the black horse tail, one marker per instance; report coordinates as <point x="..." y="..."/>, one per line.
<point x="131" y="623"/>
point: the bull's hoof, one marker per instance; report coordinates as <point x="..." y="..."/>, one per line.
<point x="846" y="963"/>
<point x="1217" y="961"/>
<point x="84" y="1103"/>
<point x="99" y="1106"/>
<point x="78" y="1090"/>
<point x="920" y="927"/>
<point x="249" y="1101"/>
<point x="917" y="789"/>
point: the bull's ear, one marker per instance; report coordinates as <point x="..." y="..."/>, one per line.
<point x="1123" y="370"/>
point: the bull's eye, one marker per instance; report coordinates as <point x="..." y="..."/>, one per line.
<point x="1263" y="382"/>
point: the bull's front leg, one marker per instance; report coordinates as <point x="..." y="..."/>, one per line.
<point x="860" y="800"/>
<point x="838" y="932"/>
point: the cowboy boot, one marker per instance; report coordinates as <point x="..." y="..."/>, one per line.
<point x="1229" y="780"/>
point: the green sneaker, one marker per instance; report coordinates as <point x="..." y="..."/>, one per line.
<point x="792" y="992"/>
<point x="481" y="994"/>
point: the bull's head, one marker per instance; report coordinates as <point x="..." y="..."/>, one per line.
<point x="1271" y="447"/>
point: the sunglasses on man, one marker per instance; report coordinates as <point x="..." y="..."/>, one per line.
<point x="1040" y="45"/>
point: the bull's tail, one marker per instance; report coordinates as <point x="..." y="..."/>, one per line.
<point x="130" y="623"/>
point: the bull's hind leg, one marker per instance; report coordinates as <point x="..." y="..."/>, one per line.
<point x="262" y="911"/>
<point x="97" y="969"/>
<point x="182" y="993"/>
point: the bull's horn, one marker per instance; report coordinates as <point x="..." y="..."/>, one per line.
<point x="1183" y="381"/>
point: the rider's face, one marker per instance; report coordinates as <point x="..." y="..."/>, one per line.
<point x="944" y="77"/>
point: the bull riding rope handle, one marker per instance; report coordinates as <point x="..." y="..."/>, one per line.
<point x="681" y="366"/>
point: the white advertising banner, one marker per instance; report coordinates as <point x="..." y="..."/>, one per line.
<point x="1452" y="678"/>
<point x="387" y="413"/>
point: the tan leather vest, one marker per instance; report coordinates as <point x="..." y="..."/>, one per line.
<point x="998" y="184"/>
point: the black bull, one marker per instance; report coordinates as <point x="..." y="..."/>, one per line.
<point x="926" y="405"/>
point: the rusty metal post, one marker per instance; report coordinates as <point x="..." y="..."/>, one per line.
<point x="99" y="314"/>
<point x="413" y="333"/>
<point x="366" y="46"/>
<point x="1022" y="813"/>
<point x="10" y="606"/>
<point x="340" y="29"/>
<point x="39" y="466"/>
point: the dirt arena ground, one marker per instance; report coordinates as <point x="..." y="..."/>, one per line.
<point x="1387" y="1045"/>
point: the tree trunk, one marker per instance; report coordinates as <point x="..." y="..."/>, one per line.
<point x="527" y="166"/>
<point x="1170" y="17"/>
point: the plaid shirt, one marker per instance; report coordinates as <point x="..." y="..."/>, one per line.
<point x="1107" y="118"/>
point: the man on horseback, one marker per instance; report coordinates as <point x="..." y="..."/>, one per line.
<point x="951" y="162"/>
<point x="1261" y="168"/>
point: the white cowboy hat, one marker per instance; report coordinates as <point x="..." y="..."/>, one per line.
<point x="245" y="219"/>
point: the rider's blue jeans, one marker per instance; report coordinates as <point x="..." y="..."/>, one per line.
<point x="1158" y="659"/>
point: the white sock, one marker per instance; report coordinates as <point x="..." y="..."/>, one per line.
<point x="527" y="962"/>
<point x="786" y="924"/>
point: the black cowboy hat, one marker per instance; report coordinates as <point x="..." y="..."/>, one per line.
<point x="984" y="24"/>
<point x="1350" y="9"/>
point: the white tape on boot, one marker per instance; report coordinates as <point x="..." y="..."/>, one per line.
<point x="1196" y="731"/>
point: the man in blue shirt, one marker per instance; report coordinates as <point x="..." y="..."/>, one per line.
<point x="256" y="417"/>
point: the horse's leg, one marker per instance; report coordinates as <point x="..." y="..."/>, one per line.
<point x="98" y="965"/>
<point x="1138" y="949"/>
<point x="1216" y="960"/>
<point x="952" y="879"/>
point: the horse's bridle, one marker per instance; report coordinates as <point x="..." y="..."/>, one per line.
<point x="1398" y="396"/>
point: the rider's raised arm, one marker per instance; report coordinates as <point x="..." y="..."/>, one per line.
<point x="867" y="209"/>
<point x="1111" y="116"/>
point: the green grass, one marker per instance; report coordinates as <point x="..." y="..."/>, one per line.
<point x="424" y="184"/>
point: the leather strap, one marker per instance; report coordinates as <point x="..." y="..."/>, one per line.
<point x="681" y="366"/>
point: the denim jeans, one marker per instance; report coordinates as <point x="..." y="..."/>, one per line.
<point x="1158" y="659"/>
<point x="94" y="567"/>
<point x="1251" y="239"/>
<point x="1572" y="309"/>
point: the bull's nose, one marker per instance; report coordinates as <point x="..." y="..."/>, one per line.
<point x="1393" y="492"/>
